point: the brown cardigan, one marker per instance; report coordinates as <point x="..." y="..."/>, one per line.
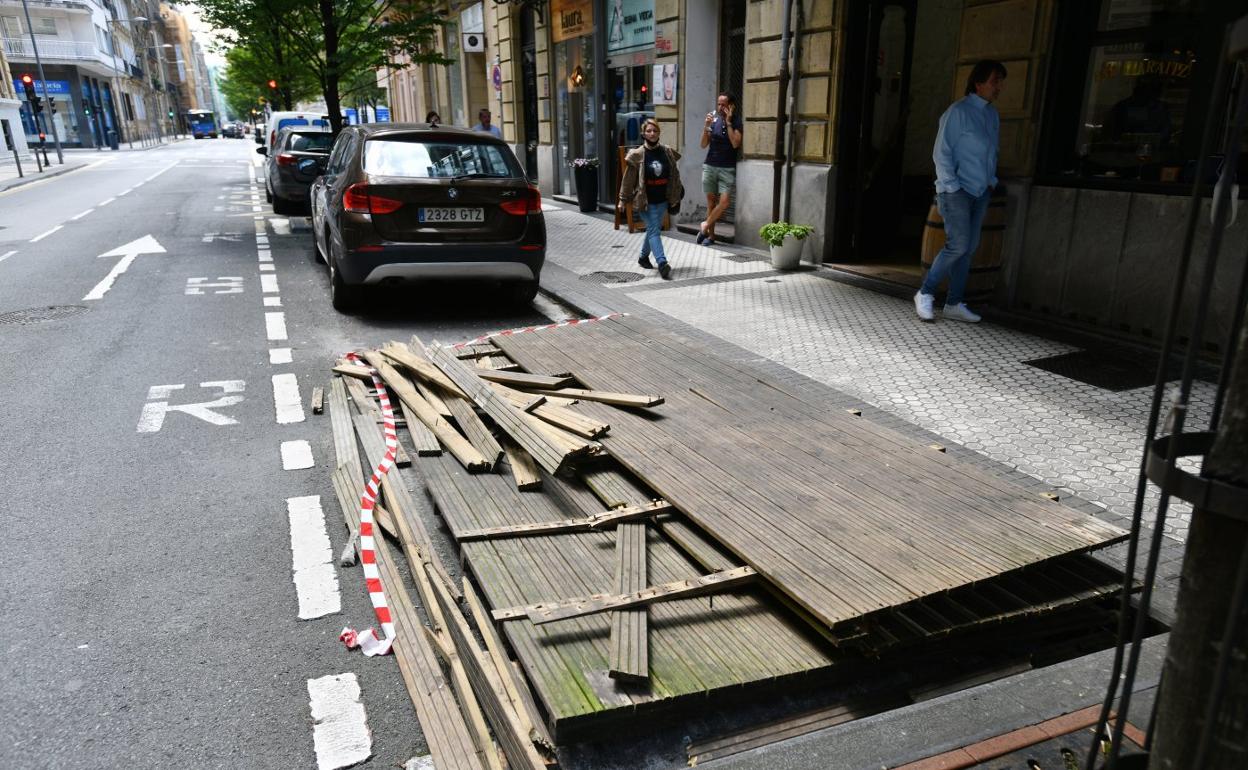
<point x="632" y="190"/>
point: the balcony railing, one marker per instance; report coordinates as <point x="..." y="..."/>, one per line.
<point x="16" y="48"/>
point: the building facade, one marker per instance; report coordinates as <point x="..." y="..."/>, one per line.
<point x="185" y="69"/>
<point x="101" y="60"/>
<point x="1100" y="124"/>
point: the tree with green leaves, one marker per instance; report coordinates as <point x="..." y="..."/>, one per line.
<point x="335" y="41"/>
<point x="244" y="83"/>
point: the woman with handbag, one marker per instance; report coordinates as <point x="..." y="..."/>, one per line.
<point x="652" y="186"/>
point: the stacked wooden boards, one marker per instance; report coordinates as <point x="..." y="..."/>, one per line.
<point x="844" y="517"/>
<point x="731" y="468"/>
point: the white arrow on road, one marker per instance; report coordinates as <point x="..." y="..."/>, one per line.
<point x="145" y="245"/>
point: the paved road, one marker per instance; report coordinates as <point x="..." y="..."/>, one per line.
<point x="149" y="613"/>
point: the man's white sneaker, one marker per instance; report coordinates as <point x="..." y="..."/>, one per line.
<point x="960" y="312"/>
<point x="923" y="306"/>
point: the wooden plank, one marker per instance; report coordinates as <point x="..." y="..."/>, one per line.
<point x="499" y="363"/>
<point x="372" y="410"/>
<point x="523" y="379"/>
<point x="517" y="690"/>
<point x="598" y="521"/>
<point x="571" y="421"/>
<point x="450" y="438"/>
<point x="354" y="370"/>
<point x="523" y="468"/>
<point x="515" y="423"/>
<point x="526" y="402"/>
<point x="477" y="350"/>
<point x="418" y="365"/>
<point x="503" y="716"/>
<point x="476" y="431"/>
<point x="318" y="399"/>
<point x="431" y="394"/>
<point x="346" y="451"/>
<point x="549" y="612"/>
<point x="630" y="629"/>
<point x="422" y="438"/>
<point x="442" y="722"/>
<point x="601" y="396"/>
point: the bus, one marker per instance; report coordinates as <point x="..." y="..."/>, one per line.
<point x="202" y="123"/>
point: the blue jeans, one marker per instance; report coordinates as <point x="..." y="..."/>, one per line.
<point x="652" y="215"/>
<point x="963" y="215"/>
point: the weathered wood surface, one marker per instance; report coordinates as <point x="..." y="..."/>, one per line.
<point x="523" y="468"/>
<point x="844" y="516"/>
<point x="630" y="629"/>
<point x="522" y="379"/>
<point x="603" y="397"/>
<point x="696" y="646"/>
<point x="597" y="521"/>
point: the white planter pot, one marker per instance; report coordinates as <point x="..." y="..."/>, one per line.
<point x="788" y="255"/>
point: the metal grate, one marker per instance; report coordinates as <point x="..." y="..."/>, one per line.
<point x="611" y="276"/>
<point x="36" y="315"/>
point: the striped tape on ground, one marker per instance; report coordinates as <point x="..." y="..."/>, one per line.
<point x="367" y="640"/>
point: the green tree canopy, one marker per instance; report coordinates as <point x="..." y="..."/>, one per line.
<point x="333" y="41"/>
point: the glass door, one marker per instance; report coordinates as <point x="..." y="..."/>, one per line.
<point x="630" y="101"/>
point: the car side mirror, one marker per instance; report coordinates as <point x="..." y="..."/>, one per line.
<point x="261" y="151"/>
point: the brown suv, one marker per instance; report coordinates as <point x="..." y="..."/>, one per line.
<point x="405" y="202"/>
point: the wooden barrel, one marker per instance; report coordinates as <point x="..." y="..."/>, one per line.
<point x="985" y="262"/>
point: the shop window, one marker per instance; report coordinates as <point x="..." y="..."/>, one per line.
<point x="1144" y="71"/>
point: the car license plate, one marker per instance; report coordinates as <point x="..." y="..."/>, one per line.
<point x="452" y="214"/>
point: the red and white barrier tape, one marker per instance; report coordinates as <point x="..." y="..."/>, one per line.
<point x="367" y="640"/>
<point x="522" y="330"/>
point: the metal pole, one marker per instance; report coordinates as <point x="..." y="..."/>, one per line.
<point x="42" y="79"/>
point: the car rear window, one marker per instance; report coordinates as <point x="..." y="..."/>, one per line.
<point x="437" y="159"/>
<point x="316" y="141"/>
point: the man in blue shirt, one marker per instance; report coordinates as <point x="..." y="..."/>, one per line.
<point x="484" y="124"/>
<point x="966" y="171"/>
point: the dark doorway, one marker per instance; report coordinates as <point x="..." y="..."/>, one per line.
<point x="871" y="199"/>
<point x="528" y="75"/>
<point x="731" y="70"/>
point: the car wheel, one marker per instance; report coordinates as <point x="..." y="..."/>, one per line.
<point x="522" y="294"/>
<point x="344" y="298"/>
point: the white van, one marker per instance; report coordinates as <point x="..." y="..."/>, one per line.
<point x="305" y="121"/>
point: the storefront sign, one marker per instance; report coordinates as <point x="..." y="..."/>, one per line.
<point x="44" y="88"/>
<point x="571" y="18"/>
<point x="382" y="113"/>
<point x="665" y="37"/>
<point x="630" y="24"/>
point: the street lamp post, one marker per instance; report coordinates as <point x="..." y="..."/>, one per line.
<point x="56" y="139"/>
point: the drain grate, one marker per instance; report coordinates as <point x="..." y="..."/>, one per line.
<point x="36" y="315"/>
<point x="739" y="258"/>
<point x="605" y="277"/>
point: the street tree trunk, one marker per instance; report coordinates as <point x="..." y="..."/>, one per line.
<point x="1214" y="547"/>
<point x="332" y="71"/>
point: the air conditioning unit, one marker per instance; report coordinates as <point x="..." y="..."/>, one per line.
<point x="474" y="42"/>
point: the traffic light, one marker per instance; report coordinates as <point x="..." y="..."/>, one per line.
<point x="28" y="84"/>
<point x="171" y="114"/>
<point x="86" y="108"/>
<point x="36" y="105"/>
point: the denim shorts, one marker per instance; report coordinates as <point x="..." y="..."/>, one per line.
<point x="717" y="180"/>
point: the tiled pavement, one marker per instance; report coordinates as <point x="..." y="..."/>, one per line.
<point x="965" y="383"/>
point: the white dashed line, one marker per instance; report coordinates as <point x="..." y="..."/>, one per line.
<point x="41" y="236"/>
<point x="7" y="254"/>
<point x="158" y="173"/>
<point x="312" y="559"/>
<point x="104" y="203"/>
<point x="339" y="724"/>
<point x="296" y="455"/>
<point x="125" y="192"/>
<point x="272" y="301"/>
<point x="286" y="399"/>
<point x="80" y="216"/>
<point x="275" y="326"/>
<point x="266" y="267"/>
<point x="279" y="356"/>
<point x="265" y="255"/>
<point x="268" y="284"/>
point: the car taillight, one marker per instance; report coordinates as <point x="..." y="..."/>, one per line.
<point x="285" y="159"/>
<point x="358" y="201"/>
<point x="531" y="203"/>
<point x="272" y="138"/>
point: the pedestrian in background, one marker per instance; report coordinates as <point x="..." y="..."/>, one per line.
<point x="966" y="171"/>
<point x="484" y="125"/>
<point x="433" y="119"/>
<point x="652" y="185"/>
<point x="721" y="138"/>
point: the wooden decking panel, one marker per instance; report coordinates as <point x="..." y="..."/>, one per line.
<point x="844" y="516"/>
<point x="695" y="645"/>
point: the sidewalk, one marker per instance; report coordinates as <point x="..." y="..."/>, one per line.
<point x="966" y="387"/>
<point x="74" y="160"/>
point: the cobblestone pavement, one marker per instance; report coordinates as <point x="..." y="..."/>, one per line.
<point x="966" y="383"/>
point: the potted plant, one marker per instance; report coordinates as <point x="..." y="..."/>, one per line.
<point x="786" y="241"/>
<point x="585" y="170"/>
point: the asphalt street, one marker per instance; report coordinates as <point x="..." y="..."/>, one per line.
<point x="149" y="614"/>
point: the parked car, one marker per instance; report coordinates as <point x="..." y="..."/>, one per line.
<point x="401" y="203"/>
<point x="260" y="133"/>
<point x="229" y="130"/>
<point x="297" y="158"/>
